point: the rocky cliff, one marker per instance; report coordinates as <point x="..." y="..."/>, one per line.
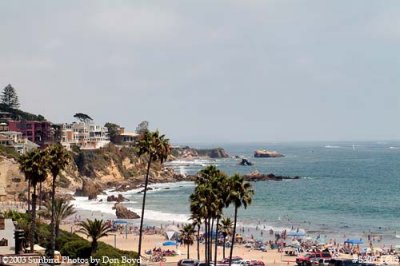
<point x="88" y="174"/>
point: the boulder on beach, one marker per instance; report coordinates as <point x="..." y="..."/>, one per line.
<point x="123" y="213"/>
<point x="267" y="154"/>
<point x="118" y="198"/>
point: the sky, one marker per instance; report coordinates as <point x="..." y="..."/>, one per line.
<point x="210" y="71"/>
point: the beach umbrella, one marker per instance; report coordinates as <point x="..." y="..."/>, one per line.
<point x="170" y="234"/>
<point x="169" y="243"/>
<point x="353" y="241"/>
<point x="172" y="228"/>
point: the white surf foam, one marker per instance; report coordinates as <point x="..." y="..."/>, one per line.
<point x="82" y="203"/>
<point x="163" y="216"/>
<point x="101" y="204"/>
<point x="332" y="147"/>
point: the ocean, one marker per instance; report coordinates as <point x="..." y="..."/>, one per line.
<point x="346" y="190"/>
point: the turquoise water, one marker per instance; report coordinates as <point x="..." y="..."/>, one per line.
<point x="345" y="190"/>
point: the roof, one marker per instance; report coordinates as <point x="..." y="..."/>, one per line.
<point x="129" y="134"/>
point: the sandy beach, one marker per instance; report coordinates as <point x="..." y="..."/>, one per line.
<point x="130" y="242"/>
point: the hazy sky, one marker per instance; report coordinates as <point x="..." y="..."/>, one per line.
<point x="210" y="70"/>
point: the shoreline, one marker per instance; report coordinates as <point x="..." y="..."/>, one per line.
<point x="254" y="229"/>
<point x="154" y="237"/>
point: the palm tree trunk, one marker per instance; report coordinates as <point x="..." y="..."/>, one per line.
<point x="188" y="255"/>
<point x="210" y="225"/>
<point x="208" y="240"/>
<point x="33" y="222"/>
<point x="233" y="236"/>
<point x="143" y="206"/>
<point x="94" y="246"/>
<point x="211" y="238"/>
<point x="57" y="229"/>
<point x="205" y="239"/>
<point x="216" y="243"/>
<point x="223" y="248"/>
<point x="40" y="197"/>
<point x="53" y="218"/>
<point x="29" y="195"/>
<point x="198" y="243"/>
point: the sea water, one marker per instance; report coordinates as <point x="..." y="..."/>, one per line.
<point x="345" y="190"/>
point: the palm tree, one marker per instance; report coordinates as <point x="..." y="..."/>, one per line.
<point x="57" y="159"/>
<point x="95" y="230"/>
<point x="187" y="235"/>
<point x="156" y="147"/>
<point x="207" y="202"/>
<point x="196" y="223"/>
<point x="240" y="195"/>
<point x="62" y="210"/>
<point x="200" y="204"/>
<point x="226" y="229"/>
<point x="34" y="165"/>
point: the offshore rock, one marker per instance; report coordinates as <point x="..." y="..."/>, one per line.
<point x="118" y="198"/>
<point x="267" y="154"/>
<point x="245" y="162"/>
<point x="123" y="213"/>
<point x="257" y="176"/>
<point x="187" y="152"/>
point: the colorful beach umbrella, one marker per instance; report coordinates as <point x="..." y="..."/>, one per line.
<point x="169" y="243"/>
<point x="353" y="241"/>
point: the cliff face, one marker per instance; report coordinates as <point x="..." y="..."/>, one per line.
<point x="92" y="171"/>
<point x="11" y="180"/>
<point x="89" y="173"/>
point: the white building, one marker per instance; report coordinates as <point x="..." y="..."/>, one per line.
<point x="85" y="135"/>
<point x="17" y="141"/>
<point x="7" y="242"/>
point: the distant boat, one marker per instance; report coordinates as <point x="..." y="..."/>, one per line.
<point x="354" y="147"/>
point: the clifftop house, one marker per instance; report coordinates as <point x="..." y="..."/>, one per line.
<point x="39" y="132"/>
<point x="85" y="135"/>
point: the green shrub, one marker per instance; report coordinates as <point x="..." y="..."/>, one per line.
<point x="8" y="152"/>
<point x="76" y="249"/>
<point x="105" y="250"/>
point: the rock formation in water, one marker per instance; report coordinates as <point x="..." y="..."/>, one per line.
<point x="257" y="176"/>
<point x="267" y="154"/>
<point x="123" y="213"/>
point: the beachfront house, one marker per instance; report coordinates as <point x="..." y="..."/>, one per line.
<point x="85" y="135"/>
